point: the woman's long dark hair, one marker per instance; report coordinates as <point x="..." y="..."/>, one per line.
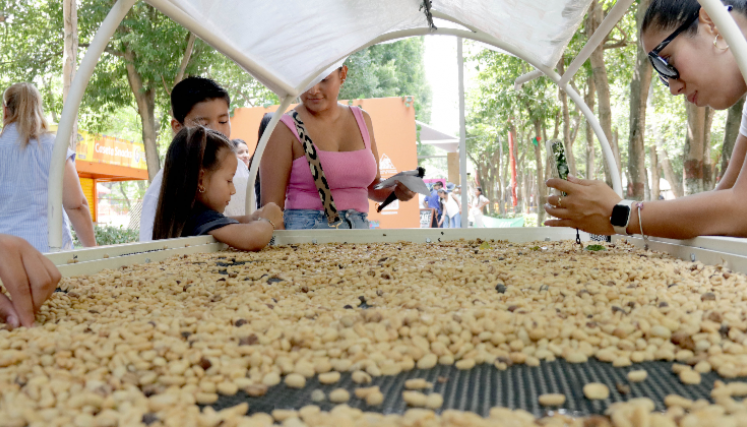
<point x="192" y="150"/>
<point x="670" y="14"/>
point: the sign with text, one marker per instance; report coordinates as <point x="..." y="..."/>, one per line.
<point x="97" y="148"/>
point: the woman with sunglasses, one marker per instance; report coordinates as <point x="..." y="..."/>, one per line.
<point x="692" y="58"/>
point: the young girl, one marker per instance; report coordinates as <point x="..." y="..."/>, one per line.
<point x="197" y="186"/>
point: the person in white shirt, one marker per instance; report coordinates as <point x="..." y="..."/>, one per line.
<point x="452" y="216"/>
<point x="196" y="101"/>
<point x="478" y="205"/>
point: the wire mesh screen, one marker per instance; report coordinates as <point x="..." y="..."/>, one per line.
<point x="484" y="387"/>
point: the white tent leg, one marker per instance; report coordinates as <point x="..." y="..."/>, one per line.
<point x="462" y="136"/>
<point x="69" y="113"/>
<point x="729" y="29"/>
<point x="613" y="17"/>
<point x="251" y="197"/>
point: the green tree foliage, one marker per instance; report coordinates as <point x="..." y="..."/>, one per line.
<point x="392" y="69"/>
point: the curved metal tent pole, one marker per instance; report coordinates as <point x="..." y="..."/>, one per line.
<point x="492" y="41"/>
<point x="69" y="112"/>
<point x="251" y="196"/>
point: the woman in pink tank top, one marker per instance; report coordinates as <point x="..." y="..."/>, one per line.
<point x="344" y="140"/>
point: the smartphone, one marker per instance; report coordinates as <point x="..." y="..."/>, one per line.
<point x="557" y="161"/>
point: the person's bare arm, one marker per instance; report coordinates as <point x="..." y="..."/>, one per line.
<point x="246" y="237"/>
<point x="76" y="206"/>
<point x="735" y="164"/>
<point x="275" y="168"/>
<point x="403" y="193"/>
<point x="270" y="211"/>
<point x="714" y="213"/>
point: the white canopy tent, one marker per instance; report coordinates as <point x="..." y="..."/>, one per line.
<point x="432" y="136"/>
<point x="289" y="45"/>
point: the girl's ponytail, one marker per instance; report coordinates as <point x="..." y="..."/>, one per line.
<point x="192" y="150"/>
<point x="24" y="105"/>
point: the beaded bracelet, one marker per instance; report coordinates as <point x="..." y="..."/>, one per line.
<point x="640" y="222"/>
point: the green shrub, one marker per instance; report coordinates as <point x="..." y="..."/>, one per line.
<point x="110" y="235"/>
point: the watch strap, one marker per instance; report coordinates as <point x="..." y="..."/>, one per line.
<point x="623" y="229"/>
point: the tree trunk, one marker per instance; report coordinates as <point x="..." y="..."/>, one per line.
<point x="708" y="183"/>
<point x="601" y="82"/>
<point x="541" y="188"/>
<point x="70" y="57"/>
<point x="500" y="180"/>
<point x="590" y="98"/>
<point x="693" y="153"/>
<point x="731" y="133"/>
<point x="655" y="176"/>
<point x="146" y="106"/>
<point x="639" y="89"/>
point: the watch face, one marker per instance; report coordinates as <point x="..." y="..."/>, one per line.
<point x="620" y="215"/>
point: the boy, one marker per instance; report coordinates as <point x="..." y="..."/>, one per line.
<point x="196" y="101"/>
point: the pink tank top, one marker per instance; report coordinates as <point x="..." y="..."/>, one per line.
<point x="349" y="173"/>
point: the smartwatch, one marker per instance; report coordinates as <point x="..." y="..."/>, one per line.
<point x="621" y="216"/>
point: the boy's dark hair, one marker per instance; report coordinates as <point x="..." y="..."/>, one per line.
<point x="668" y="15"/>
<point x="193" y="149"/>
<point x="194" y="90"/>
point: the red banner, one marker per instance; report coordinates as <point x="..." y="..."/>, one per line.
<point x="512" y="164"/>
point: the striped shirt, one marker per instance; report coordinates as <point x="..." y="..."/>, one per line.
<point x="24" y="171"/>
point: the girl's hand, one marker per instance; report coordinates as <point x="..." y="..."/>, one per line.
<point x="588" y="205"/>
<point x="273" y="213"/>
<point x="402" y="192"/>
<point x="28" y="276"/>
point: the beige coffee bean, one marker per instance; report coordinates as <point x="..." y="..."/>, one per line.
<point x="339" y="395"/>
<point x="637" y="376"/>
<point x="553" y="399"/>
<point x="596" y="391"/>
<point x="295" y="381"/>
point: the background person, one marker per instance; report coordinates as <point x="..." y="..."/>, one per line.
<point x="452" y="209"/>
<point x="346" y="148"/>
<point x="478" y="205"/>
<point x="242" y="151"/>
<point x="25" y="159"/>
<point x="692" y="58"/>
<point x="28" y="276"/>
<point x="434" y="202"/>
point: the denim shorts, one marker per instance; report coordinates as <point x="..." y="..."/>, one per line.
<point x="303" y="219"/>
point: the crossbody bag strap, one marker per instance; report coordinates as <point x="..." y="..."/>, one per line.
<point x="322" y="186"/>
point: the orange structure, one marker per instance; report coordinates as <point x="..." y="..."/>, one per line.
<point x="101" y="158"/>
<point x="394" y="129"/>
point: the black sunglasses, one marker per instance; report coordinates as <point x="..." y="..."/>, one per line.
<point x="665" y="70"/>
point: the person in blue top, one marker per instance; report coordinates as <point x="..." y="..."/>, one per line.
<point x="434" y="202"/>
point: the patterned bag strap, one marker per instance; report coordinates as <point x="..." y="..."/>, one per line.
<point x="325" y="194"/>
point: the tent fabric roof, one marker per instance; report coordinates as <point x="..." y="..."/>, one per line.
<point x="429" y="135"/>
<point x="298" y="41"/>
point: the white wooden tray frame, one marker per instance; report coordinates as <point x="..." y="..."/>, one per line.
<point x="729" y="252"/>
